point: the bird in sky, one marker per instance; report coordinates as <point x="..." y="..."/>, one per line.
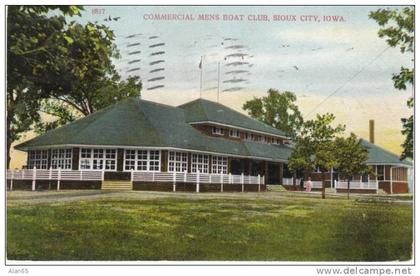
<point x="297" y="68"/>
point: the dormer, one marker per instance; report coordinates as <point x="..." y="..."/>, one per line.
<point x="217" y="120"/>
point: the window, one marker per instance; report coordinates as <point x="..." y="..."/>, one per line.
<point x="142" y="160"/>
<point x="130" y="160"/>
<point x="142" y="157"/>
<point x="38" y="159"/>
<point x="219" y="164"/>
<point x="154" y="156"/>
<point x="234" y="133"/>
<point x="218" y="131"/>
<point x="200" y="162"/>
<point x="365" y="177"/>
<point x="110" y="159"/>
<point x="61" y="158"/>
<point x="98" y="159"/>
<point x="380" y="171"/>
<point x="248" y="137"/>
<point x="177" y="161"/>
<point x="257" y="138"/>
<point x="276" y="141"/>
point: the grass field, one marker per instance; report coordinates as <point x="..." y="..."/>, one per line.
<point x="94" y="225"/>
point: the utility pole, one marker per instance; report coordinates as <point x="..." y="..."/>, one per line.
<point x="218" y="80"/>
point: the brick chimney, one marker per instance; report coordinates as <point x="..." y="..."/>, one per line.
<point x="372" y="131"/>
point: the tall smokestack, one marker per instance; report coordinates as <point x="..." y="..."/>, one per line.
<point x="372" y="131"/>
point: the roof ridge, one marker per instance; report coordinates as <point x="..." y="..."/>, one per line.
<point x="149" y="121"/>
<point x="108" y="108"/>
<point x="180" y="106"/>
<point x="156" y="103"/>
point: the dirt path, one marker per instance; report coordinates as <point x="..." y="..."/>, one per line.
<point x="46" y="197"/>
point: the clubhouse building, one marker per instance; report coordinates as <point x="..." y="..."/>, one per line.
<point x="198" y="146"/>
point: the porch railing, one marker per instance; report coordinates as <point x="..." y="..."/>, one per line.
<point x="171" y="177"/>
<point x="354" y="185"/>
<point x="289" y="182"/>
<point x="184" y="177"/>
<point x="54" y="174"/>
<point x="357" y="185"/>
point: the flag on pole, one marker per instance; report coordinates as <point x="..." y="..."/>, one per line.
<point x="200" y="65"/>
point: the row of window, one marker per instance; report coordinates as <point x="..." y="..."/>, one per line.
<point x="247" y="136"/>
<point x="98" y="159"/>
<point x="142" y="160"/>
<point x="138" y="160"/>
<point x="60" y="158"/>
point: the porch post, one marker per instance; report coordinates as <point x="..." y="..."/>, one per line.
<point x="265" y="168"/>
<point x="259" y="183"/>
<point x="221" y="181"/>
<point x="281" y="173"/>
<point x="390" y="179"/>
<point x="11" y="181"/>
<point x="50" y="174"/>
<point x="331" y="179"/>
<point x="197" y="185"/>
<point x="174" y="181"/>
<point x="242" y="181"/>
<point x="59" y="179"/>
<point x="33" y="178"/>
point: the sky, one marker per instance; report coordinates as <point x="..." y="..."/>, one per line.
<point x="306" y="57"/>
<point x="329" y="56"/>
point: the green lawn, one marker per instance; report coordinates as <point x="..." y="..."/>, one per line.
<point x="248" y="227"/>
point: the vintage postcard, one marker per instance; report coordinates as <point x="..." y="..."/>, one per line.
<point x="210" y="134"/>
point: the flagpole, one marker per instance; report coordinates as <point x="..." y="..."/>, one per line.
<point x="201" y="75"/>
<point x="218" y="80"/>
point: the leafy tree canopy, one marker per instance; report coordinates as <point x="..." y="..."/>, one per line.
<point x="64" y="69"/>
<point x="351" y="157"/>
<point x="314" y="146"/>
<point x="278" y="110"/>
<point x="397" y="26"/>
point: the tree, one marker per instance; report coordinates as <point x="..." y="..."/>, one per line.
<point x="315" y="147"/>
<point x="351" y="158"/>
<point x="63" y="69"/>
<point x="277" y="110"/>
<point x="398" y="29"/>
<point x="35" y="47"/>
<point x="84" y="102"/>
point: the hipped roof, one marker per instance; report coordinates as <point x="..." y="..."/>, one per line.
<point x="140" y="123"/>
<point x="380" y="156"/>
